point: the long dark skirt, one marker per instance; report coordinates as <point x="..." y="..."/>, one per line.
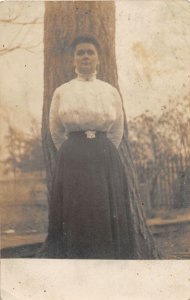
<point x="88" y="209"/>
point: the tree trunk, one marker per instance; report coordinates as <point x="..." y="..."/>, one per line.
<point x="63" y="22"/>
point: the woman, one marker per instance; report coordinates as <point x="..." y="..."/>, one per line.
<point x="88" y="208"/>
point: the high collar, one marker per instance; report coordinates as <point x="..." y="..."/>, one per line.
<point x="88" y="77"/>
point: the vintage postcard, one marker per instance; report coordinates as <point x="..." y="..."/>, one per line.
<point x="95" y="150"/>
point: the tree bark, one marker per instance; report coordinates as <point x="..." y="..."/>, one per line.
<point x="63" y="22"/>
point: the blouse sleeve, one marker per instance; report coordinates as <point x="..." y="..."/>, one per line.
<point x="56" y="127"/>
<point x="115" y="132"/>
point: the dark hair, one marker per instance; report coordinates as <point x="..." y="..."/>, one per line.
<point x="86" y="39"/>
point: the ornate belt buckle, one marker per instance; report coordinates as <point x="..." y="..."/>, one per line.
<point x="90" y="134"/>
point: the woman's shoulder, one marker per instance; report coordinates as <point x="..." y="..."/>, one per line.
<point x="65" y="86"/>
<point x="107" y="86"/>
<point x="105" y="83"/>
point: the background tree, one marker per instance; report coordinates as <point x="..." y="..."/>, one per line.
<point x="63" y="21"/>
<point x="15" y="17"/>
<point x="24" y="151"/>
<point x="161" y="148"/>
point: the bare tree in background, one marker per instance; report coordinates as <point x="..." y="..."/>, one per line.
<point x="14" y="18"/>
<point x="18" y="23"/>
<point x="63" y="22"/>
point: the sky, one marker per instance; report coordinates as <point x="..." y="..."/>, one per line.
<point x="153" y="58"/>
<point x="153" y="39"/>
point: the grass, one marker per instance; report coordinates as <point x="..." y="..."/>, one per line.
<point x="24" y="209"/>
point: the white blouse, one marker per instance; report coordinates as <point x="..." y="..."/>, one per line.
<point x="81" y="105"/>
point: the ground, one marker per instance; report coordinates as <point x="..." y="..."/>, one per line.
<point x="24" y="215"/>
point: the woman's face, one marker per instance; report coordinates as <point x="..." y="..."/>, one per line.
<point x="86" y="58"/>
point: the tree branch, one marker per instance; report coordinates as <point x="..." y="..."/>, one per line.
<point x="19" y="47"/>
<point x="36" y="21"/>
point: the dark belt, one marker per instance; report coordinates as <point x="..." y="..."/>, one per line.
<point x="89" y="134"/>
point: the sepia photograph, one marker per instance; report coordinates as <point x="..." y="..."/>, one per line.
<point x="95" y="135"/>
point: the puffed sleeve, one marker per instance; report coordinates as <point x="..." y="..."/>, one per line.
<point x="56" y="127"/>
<point x="115" y="132"/>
